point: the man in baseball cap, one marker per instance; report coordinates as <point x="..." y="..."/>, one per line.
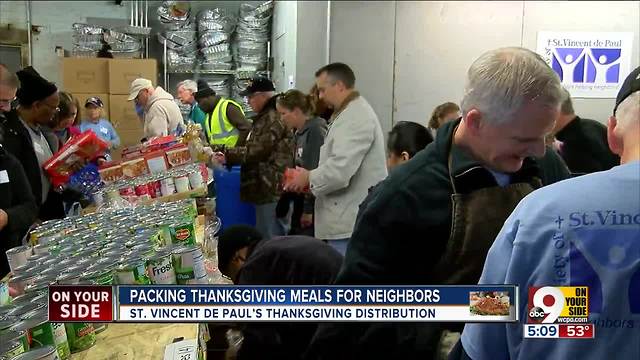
<point x="604" y="252"/>
<point x="162" y="115"/>
<point x="264" y="156"/>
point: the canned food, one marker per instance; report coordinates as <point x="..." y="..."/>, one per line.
<point x="99" y="327"/>
<point x="97" y="276"/>
<point x="5" y="323"/>
<point x="11" y="349"/>
<point x="127" y="190"/>
<point x="43" y="333"/>
<point x="27" y="297"/>
<point x="20" y="311"/>
<point x="42" y="282"/>
<point x="182" y="182"/>
<point x="142" y="191"/>
<point x="195" y="178"/>
<point x="69" y="278"/>
<point x="160" y="269"/>
<point x="13" y="335"/>
<point x="81" y="336"/>
<point x="98" y="198"/>
<point x="167" y="186"/>
<point x="41" y="249"/>
<point x="43" y="353"/>
<point x="132" y="272"/>
<point x="20" y="281"/>
<point x="183" y="233"/>
<point x="18" y="256"/>
<point x="25" y="268"/>
<point x="188" y="263"/>
<point x="5" y="309"/>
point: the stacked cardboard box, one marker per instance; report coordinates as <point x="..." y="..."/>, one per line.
<point x="109" y="79"/>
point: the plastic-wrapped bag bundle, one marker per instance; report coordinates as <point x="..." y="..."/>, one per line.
<point x="87" y="40"/>
<point x="175" y="15"/>
<point x="237" y="87"/>
<point x="123" y="45"/>
<point x="215" y="27"/>
<point x="221" y="84"/>
<point x="180" y="35"/>
<point x="252" y="34"/>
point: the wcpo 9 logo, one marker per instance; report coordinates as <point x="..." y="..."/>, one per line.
<point x="551" y="304"/>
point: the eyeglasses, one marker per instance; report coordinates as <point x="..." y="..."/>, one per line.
<point x="55" y="108"/>
<point x="8" y="101"/>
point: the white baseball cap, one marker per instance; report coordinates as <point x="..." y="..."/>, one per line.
<point x="137" y="85"/>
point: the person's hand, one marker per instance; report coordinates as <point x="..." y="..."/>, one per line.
<point x="300" y="180"/>
<point x="4" y="219"/>
<point x="218" y="157"/>
<point x="306" y="220"/>
<point x="100" y="161"/>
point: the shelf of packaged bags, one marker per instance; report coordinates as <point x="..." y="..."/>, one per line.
<point x="141" y="341"/>
<point x="212" y="72"/>
<point x="199" y="192"/>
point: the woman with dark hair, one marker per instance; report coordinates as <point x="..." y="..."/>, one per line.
<point x="297" y="111"/>
<point x="442" y="114"/>
<point x="405" y="140"/>
<point x="66" y="120"/>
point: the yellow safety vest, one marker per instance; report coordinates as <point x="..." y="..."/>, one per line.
<point x="219" y="130"/>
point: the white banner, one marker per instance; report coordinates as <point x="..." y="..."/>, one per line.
<point x="202" y="313"/>
<point x="589" y="64"/>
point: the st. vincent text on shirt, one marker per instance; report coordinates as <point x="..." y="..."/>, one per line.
<point x="603" y="218"/>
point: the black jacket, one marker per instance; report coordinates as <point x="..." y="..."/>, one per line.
<point x="17" y="141"/>
<point x="402" y="229"/>
<point x="289" y="260"/>
<point x="17" y="201"/>
<point x="585" y="148"/>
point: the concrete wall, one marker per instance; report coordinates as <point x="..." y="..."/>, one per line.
<point x="435" y="42"/>
<point x="283" y="40"/>
<point x="311" y="42"/>
<point x="362" y="35"/>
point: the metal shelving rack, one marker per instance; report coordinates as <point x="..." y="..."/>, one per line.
<point x="239" y="74"/>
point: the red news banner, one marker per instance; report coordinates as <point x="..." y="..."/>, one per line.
<point x="80" y="303"/>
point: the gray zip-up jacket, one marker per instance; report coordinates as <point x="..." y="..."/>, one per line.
<point x="352" y="159"/>
<point x="309" y="139"/>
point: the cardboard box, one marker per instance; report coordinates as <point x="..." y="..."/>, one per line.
<point x="85" y="75"/>
<point x="123" y="114"/>
<point x="123" y="71"/>
<point x="130" y="137"/>
<point x="82" y="97"/>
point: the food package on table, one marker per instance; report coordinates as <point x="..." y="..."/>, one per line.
<point x="111" y="172"/>
<point x="178" y="155"/>
<point x="134" y="168"/>
<point x="82" y="148"/>
<point x="289" y="175"/>
<point x="156" y="162"/>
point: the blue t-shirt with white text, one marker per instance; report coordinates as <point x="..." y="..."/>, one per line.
<point x="583" y="231"/>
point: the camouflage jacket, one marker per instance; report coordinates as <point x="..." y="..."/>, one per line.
<point x="267" y="152"/>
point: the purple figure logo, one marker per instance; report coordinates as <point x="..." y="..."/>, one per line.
<point x="587" y="65"/>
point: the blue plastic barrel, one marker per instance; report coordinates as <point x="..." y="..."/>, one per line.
<point x="229" y="208"/>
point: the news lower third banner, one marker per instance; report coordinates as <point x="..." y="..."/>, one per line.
<point x="229" y="303"/>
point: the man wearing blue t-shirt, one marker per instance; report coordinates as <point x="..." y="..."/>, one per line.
<point x="597" y="219"/>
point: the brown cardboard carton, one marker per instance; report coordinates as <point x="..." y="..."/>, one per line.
<point x="123" y="71"/>
<point x="85" y="75"/>
<point x="82" y="97"/>
<point x="123" y="113"/>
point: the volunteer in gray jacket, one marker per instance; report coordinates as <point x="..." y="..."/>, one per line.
<point x="296" y="110"/>
<point x="352" y="158"/>
<point x="162" y="115"/>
